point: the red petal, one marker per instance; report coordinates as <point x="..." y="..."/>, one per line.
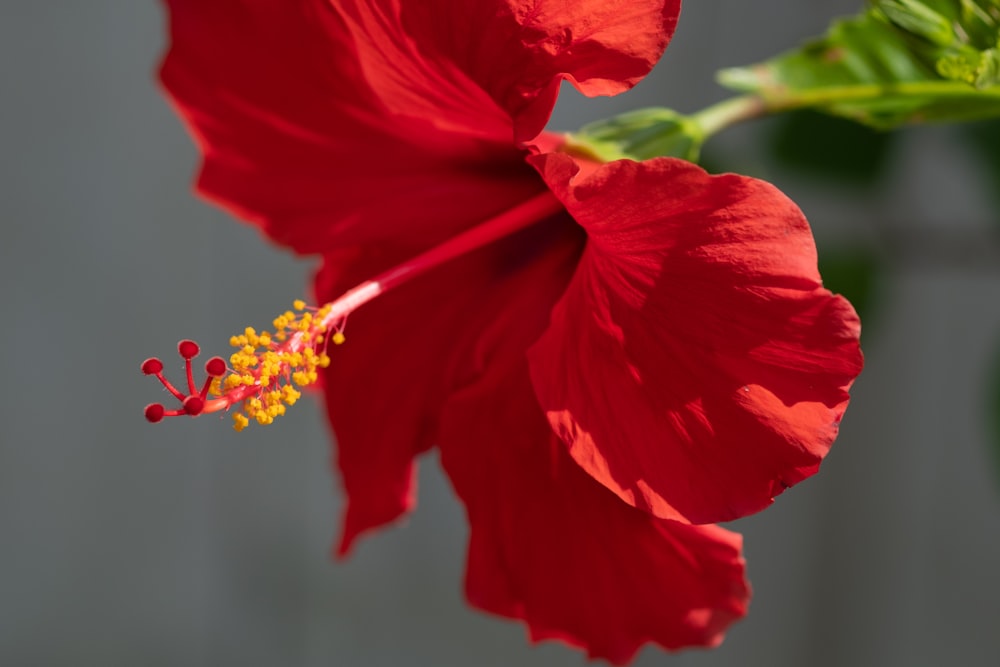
<point x="407" y="350"/>
<point x="695" y="366"/>
<point x="432" y="54"/>
<point x="551" y="546"/>
<point x="330" y="124"/>
<point x="294" y="139"/>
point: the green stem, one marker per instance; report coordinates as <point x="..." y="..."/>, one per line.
<point x="786" y="101"/>
<point x="724" y="114"/>
<point x="728" y="112"/>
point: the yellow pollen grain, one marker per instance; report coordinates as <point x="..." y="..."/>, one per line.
<point x="289" y="394"/>
<point x="270" y="369"/>
<point x="240" y="421"/>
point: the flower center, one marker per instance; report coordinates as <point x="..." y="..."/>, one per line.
<point x="262" y="375"/>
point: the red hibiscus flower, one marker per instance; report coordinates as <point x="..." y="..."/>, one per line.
<point x="604" y="354"/>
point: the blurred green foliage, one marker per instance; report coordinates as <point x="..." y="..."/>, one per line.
<point x="853" y="271"/>
<point x="992" y="405"/>
<point x="899" y="61"/>
<point x="984" y="138"/>
<point x="831" y="148"/>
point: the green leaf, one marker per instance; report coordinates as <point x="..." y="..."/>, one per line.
<point x="640" y="135"/>
<point x="899" y="61"/>
<point x="918" y="19"/>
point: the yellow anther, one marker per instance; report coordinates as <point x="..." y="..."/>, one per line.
<point x="269" y="368"/>
<point x="240" y="421"/>
<point x="289" y="394"/>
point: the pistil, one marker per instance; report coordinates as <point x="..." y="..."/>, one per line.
<point x="263" y="373"/>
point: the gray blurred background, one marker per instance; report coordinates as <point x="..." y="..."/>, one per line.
<point x="185" y="544"/>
